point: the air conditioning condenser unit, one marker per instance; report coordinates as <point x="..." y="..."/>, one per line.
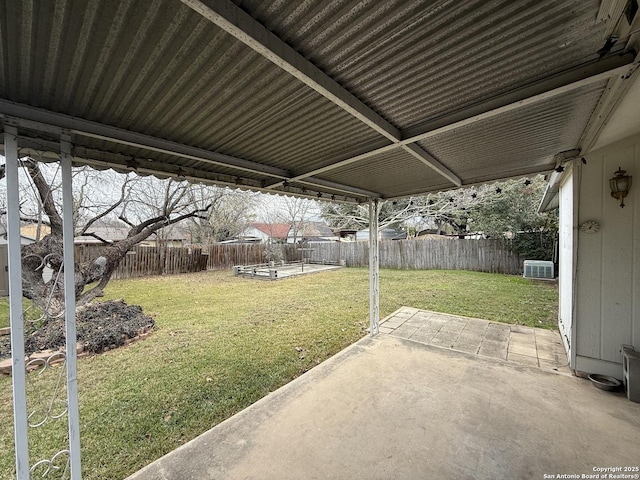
<point x="538" y="269"/>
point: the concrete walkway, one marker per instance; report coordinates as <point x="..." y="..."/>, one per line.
<point x="537" y="347"/>
<point x="392" y="408"/>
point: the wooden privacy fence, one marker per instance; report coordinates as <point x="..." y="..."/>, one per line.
<point x="482" y="255"/>
<point x="141" y="261"/>
<point x="226" y="256"/>
<point x="441" y="254"/>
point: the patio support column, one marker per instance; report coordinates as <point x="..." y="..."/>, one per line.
<point x="70" y="307"/>
<point x="20" y="421"/>
<point x="374" y="268"/>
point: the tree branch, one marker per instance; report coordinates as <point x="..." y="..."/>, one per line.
<point x="28" y="219"/>
<point x="125" y="220"/>
<point x="44" y="191"/>
<point x="123" y="196"/>
<point x="97" y="237"/>
<point x="136" y="229"/>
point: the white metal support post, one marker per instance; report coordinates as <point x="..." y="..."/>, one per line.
<point x="70" y="308"/>
<point x="374" y="268"/>
<point x="20" y="421"/>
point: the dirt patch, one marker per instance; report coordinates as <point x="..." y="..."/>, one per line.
<point x="99" y="326"/>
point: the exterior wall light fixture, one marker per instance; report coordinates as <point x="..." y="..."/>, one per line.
<point x="620" y="185"/>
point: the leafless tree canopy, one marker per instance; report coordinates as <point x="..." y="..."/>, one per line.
<point x="229" y="214"/>
<point x="293" y="211"/>
<point x="145" y="205"/>
<point x="492" y="209"/>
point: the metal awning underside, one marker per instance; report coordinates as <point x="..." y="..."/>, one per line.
<point x="344" y="99"/>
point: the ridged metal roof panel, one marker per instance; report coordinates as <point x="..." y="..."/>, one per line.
<point x="395" y="173"/>
<point x="160" y="69"/>
<point x="414" y="60"/>
<point x="521" y="140"/>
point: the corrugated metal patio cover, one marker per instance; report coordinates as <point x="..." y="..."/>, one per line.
<point x="343" y="99"/>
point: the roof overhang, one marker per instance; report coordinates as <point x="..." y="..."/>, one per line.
<point x="550" y="199"/>
<point x="345" y="101"/>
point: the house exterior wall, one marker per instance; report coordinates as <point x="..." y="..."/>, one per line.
<point x="254" y="232"/>
<point x="607" y="296"/>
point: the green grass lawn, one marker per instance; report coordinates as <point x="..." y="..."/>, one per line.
<point x="4" y="312"/>
<point x="30" y="312"/>
<point x="223" y="342"/>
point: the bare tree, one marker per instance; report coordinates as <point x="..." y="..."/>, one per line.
<point x="492" y="209"/>
<point x="295" y="212"/>
<point x="356" y="216"/>
<point x="145" y="209"/>
<point x="229" y="214"/>
<point x="291" y="211"/>
<point x="98" y="195"/>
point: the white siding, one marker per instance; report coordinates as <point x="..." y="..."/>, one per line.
<point x="608" y="262"/>
<point x="254" y="232"/>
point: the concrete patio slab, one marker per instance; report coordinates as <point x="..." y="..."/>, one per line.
<point x="391" y="408"/>
<point x="514" y="343"/>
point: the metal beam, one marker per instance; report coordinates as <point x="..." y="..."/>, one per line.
<point x="45" y="148"/>
<point x="18" y="375"/>
<point x="414" y="150"/>
<point x="430" y="161"/>
<point x="553" y="182"/>
<point x="510" y="174"/>
<point x="219" y="179"/>
<point x="252" y="33"/>
<point x="342" y="163"/>
<point x="374" y="268"/>
<point x="564" y="82"/>
<point x="236" y="22"/>
<point x="57" y="130"/>
<point x="609" y="102"/>
<point x="338" y="187"/>
<point x="566" y="156"/>
<point x="481" y="180"/>
<point x="70" y="308"/>
<point x="51" y="122"/>
<point x="555" y="85"/>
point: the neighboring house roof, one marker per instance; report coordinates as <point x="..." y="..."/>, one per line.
<point x="172" y="233"/>
<point x="102" y="234"/>
<point x="315" y="229"/>
<point x="273" y="230"/>
<point x="107" y="233"/>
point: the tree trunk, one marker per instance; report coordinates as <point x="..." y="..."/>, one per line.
<point x="48" y="294"/>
